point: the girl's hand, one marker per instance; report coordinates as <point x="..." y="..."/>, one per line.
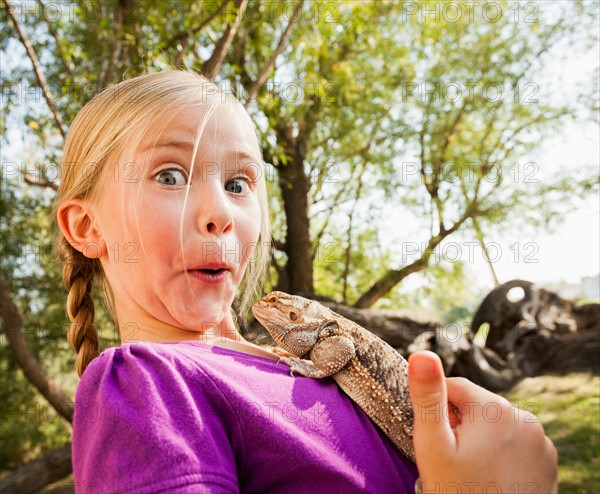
<point x="470" y="440"/>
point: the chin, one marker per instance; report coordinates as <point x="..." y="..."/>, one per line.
<point x="206" y="315"/>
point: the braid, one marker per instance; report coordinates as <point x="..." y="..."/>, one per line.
<point x="78" y="277"/>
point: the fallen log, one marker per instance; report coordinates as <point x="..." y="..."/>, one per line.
<point x="35" y="475"/>
<point x="532" y="331"/>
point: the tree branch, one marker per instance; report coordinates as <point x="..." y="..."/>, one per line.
<point x="182" y="40"/>
<point x="348" y="255"/>
<point x="212" y="66"/>
<point x="37" y="69"/>
<point x="336" y="200"/>
<point x="264" y="72"/>
<point x="39" y="182"/>
<point x="13" y="329"/>
<point x="115" y="47"/>
<point x="185" y="35"/>
<point x="394" y="276"/>
<point x="452" y="129"/>
<point x="431" y="183"/>
<point x="476" y="227"/>
<point x="341" y="191"/>
<point x="59" y="47"/>
<point x="481" y="240"/>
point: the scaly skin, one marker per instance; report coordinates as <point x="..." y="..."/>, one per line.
<point x="365" y="367"/>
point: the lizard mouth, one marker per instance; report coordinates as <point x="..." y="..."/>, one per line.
<point x="259" y="310"/>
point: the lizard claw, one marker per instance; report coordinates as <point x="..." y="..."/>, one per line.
<point x="287" y="361"/>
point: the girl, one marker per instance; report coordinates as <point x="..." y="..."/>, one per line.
<point x="163" y="201"/>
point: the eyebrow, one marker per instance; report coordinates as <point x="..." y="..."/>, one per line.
<point x="241" y="155"/>
<point x="171" y="144"/>
<point x="244" y="156"/>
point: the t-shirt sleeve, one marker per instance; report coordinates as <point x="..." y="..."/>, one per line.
<point x="139" y="427"/>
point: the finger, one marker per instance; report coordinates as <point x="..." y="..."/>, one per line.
<point x="427" y="385"/>
<point x="470" y="399"/>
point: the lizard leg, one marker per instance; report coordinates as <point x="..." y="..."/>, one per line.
<point x="332" y="354"/>
<point x="327" y="357"/>
<point x="302" y="367"/>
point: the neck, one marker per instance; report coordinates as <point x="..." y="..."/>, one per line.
<point x="159" y="332"/>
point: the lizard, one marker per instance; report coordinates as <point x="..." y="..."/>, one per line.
<point x="318" y="342"/>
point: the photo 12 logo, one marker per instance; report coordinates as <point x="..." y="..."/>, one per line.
<point x="469" y="11"/>
<point x="470" y="251"/>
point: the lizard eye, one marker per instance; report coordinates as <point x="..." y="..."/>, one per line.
<point x="273" y="300"/>
<point x="293" y="316"/>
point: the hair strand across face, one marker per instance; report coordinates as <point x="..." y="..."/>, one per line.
<point x="111" y="122"/>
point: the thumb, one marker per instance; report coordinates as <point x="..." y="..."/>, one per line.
<point x="427" y="384"/>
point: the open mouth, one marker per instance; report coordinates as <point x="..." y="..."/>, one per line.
<point x="209" y="275"/>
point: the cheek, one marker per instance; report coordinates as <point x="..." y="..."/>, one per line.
<point x="247" y="232"/>
<point x="248" y="228"/>
<point x="155" y="221"/>
<point x="118" y="227"/>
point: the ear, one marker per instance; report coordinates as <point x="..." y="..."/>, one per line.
<point x="76" y="222"/>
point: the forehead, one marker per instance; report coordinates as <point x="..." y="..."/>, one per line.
<point x="224" y="129"/>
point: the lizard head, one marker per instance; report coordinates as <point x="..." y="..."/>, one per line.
<point x="291" y="320"/>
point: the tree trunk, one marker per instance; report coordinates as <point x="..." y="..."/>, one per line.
<point x="13" y="329"/>
<point x="395" y="329"/>
<point x="577" y="352"/>
<point x="295" y="188"/>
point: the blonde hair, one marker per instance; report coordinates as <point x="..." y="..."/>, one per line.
<point x="104" y="127"/>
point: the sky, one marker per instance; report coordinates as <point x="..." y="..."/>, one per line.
<point x="573" y="251"/>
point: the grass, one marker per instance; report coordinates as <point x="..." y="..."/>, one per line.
<point x="569" y="408"/>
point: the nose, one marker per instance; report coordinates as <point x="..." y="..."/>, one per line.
<point x="215" y="215"/>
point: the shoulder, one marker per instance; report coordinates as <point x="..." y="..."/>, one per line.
<point x="131" y="356"/>
<point x="143" y="398"/>
<point x="125" y="372"/>
<point x="154" y="376"/>
<point x="132" y="362"/>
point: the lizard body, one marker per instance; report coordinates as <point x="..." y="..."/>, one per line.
<point x="324" y="344"/>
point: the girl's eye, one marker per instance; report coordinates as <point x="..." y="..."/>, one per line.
<point x="171" y="177"/>
<point x="238" y="185"/>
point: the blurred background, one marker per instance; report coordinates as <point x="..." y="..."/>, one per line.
<point x="418" y="156"/>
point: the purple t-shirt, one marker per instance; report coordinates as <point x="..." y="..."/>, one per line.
<point x="189" y="417"/>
